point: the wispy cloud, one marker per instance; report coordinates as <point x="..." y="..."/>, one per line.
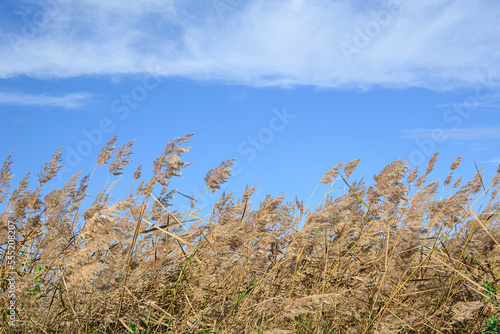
<point x="493" y="161"/>
<point x="68" y="101"/>
<point x="491" y="102"/>
<point x="471" y="134"/>
<point x="437" y="44"/>
<point x="469" y="105"/>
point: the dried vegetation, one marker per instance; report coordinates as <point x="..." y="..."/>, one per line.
<point x="396" y="257"/>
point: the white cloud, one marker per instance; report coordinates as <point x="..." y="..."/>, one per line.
<point x="472" y="134"/>
<point x="470" y="105"/>
<point x="68" y="101"/>
<point x="437" y="44"/>
<point x="493" y="161"/>
<point x="490" y="102"/>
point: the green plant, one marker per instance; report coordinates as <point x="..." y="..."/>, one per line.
<point x="38" y="270"/>
<point x="492" y="322"/>
<point x="490" y="293"/>
<point x="133" y="327"/>
<point x="492" y="325"/>
<point x="244" y="294"/>
<point x="303" y="322"/>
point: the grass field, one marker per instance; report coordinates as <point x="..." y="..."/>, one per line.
<point x="396" y="257"/>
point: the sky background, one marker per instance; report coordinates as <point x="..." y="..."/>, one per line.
<point x="288" y="88"/>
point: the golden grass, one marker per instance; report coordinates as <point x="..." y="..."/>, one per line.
<point x="388" y="259"/>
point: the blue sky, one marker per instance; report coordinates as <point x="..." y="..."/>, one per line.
<point x="287" y="87"/>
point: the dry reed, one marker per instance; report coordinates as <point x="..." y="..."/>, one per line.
<point x="390" y="258"/>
